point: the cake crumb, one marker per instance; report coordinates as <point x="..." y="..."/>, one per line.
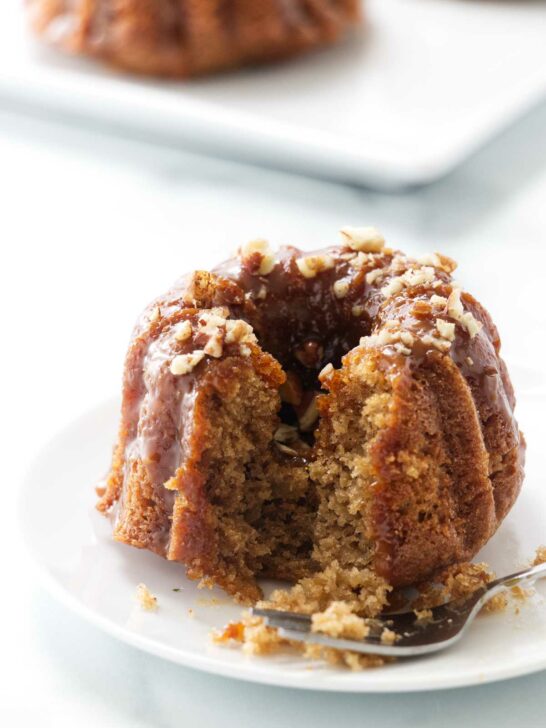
<point x="388" y="637"/>
<point x="146" y="599"/>
<point x="540" y="556"/>
<point x="339" y="620"/>
<point x="423" y="615"/>
<point x="342" y="603"/>
<point x="232" y="632"/>
<point x="343" y="658"/>
<point x="498" y="603"/>
<point x="521" y="593"/>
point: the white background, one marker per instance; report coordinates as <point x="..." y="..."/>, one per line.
<point x="91" y="227"/>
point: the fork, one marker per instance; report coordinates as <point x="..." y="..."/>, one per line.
<point x="447" y="625"/>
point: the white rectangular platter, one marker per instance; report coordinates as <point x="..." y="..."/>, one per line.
<point x="421" y="87"/>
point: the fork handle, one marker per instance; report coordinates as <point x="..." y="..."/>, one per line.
<point x="527" y="575"/>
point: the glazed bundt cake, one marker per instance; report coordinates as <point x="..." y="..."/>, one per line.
<point x="343" y="413"/>
<point x="181" y="38"/>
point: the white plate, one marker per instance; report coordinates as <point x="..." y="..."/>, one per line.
<point x="97" y="577"/>
<point x="403" y="103"/>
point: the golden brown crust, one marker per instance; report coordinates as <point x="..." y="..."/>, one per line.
<point x="444" y="511"/>
<point x="180" y="38"/>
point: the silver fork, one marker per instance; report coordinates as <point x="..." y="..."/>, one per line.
<point x="416" y="636"/>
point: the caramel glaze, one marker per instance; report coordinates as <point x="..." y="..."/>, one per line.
<point x="304" y="326"/>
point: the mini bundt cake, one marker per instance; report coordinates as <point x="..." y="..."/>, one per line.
<point x="231" y="461"/>
<point x="180" y="38"/>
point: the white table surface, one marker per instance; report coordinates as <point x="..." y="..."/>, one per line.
<point x="93" y="226"/>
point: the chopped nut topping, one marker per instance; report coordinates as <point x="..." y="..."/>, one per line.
<point x="419" y="276"/>
<point x="401" y="349"/>
<point x="214" y="346"/>
<point x="399" y="264"/>
<point x="406" y="338"/>
<point x="262" y="293"/>
<point x="440" y="344"/>
<point x="456" y="310"/>
<point x="447" y="263"/>
<point x="365" y="239"/>
<point x="360" y="260"/>
<point x="146" y="599"/>
<point x="374" y="275"/>
<point x="239" y="332"/>
<point x="185" y="363"/>
<point x="245" y="350"/>
<point x="438" y="301"/>
<point x="341" y="288"/>
<point x="391" y="334"/>
<point x="357" y="310"/>
<point x="200" y="289"/>
<point x="430" y="259"/>
<point x="285" y="449"/>
<point x="471" y="324"/>
<point x="454" y="304"/>
<point x="183" y="331"/>
<point x="421" y="309"/>
<point x="291" y="391"/>
<point x="286" y="433"/>
<point x="313" y="264"/>
<point x="445" y="329"/>
<point x="437" y="260"/>
<point x="394" y="286"/>
<point x="309" y="417"/>
<point x="155" y="315"/>
<point x="326" y="372"/>
<point x="212" y="323"/>
<point x="209" y="321"/>
<point x="257" y="257"/>
<point x="382" y="338"/>
<point x="409" y="278"/>
<point x="469" y="361"/>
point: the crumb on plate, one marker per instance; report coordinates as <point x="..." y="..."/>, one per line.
<point x="146" y="599"/>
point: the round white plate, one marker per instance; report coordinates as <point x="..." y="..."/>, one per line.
<point x="97" y="577"/>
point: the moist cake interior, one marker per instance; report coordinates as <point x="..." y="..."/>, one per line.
<point x="285" y="506"/>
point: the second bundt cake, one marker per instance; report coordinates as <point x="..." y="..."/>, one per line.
<point x="342" y="413"/>
<point x="180" y="38"/>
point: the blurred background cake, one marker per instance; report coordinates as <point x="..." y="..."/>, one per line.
<point x="179" y="38"/>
